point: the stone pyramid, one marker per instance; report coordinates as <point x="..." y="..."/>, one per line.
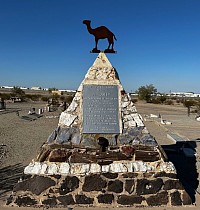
<point x="101" y="153"/>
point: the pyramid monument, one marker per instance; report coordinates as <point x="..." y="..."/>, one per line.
<point x="100" y="154"/>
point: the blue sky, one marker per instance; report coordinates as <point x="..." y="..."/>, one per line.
<point x="44" y="43"/>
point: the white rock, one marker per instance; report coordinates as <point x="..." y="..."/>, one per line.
<point x="44" y="168"/>
<point x="102" y="75"/>
<point x="72" y="106"/>
<point x="79" y="168"/>
<point x="28" y="169"/>
<point x="153" y="116"/>
<point x="129" y="97"/>
<point x="131" y="123"/>
<point x="140" y="116"/>
<point x="126" y="125"/>
<point x="139" y="166"/>
<point x="36" y="168"/>
<point x="52" y="169"/>
<point x="64" y="168"/>
<point x="145" y="131"/>
<point x="127" y="118"/>
<point x="95" y="168"/>
<point x="137" y="119"/>
<point x="132" y="108"/>
<point x="125" y="104"/>
<point x="149" y="167"/>
<point x="167" y="167"/>
<point x="118" y="167"/>
<point x="129" y="167"/>
<point x="67" y="119"/>
<point x="77" y="97"/>
<point x="105" y="168"/>
<point x="125" y="99"/>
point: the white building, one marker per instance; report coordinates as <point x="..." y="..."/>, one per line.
<point x="36" y="88"/>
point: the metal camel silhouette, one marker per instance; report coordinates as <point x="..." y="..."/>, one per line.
<point x="101" y="32"/>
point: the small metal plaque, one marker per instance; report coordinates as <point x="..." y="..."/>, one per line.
<point x="100" y="109"/>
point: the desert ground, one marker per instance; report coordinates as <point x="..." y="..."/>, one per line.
<point x="21" y="139"/>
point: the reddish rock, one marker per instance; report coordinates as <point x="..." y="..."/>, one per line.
<point x="59" y="155"/>
<point x="147" y="156"/>
<point x="128" y="150"/>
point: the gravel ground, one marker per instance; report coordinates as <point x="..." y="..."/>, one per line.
<point x="22" y="139"/>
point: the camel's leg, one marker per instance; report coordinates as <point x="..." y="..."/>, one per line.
<point x="111" y="43"/>
<point x="96" y="43"/>
<point x="112" y="46"/>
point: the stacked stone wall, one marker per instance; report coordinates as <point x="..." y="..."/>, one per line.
<point x="105" y="189"/>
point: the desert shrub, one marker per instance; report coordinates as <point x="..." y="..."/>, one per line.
<point x="162" y="99"/>
<point x="146" y="92"/>
<point x="5" y="96"/>
<point x="169" y="102"/>
<point x="18" y="92"/>
<point x="63" y="98"/>
<point x="189" y="103"/>
<point x="44" y="98"/>
<point x="33" y="97"/>
<point x="155" y="101"/>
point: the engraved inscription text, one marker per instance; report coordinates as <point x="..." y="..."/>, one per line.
<point x="100" y="109"/>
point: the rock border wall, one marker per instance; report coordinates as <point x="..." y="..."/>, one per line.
<point x="106" y="189"/>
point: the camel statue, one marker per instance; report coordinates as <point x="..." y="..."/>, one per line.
<point x="101" y="33"/>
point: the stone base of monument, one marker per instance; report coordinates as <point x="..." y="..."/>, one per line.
<point x="89" y="177"/>
<point x="101" y="154"/>
<point x="103" y="189"/>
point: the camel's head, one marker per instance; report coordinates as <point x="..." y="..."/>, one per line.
<point x="87" y="22"/>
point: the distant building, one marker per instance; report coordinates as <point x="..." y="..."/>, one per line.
<point x="36" y="88"/>
<point x="184" y="94"/>
<point x="69" y="91"/>
<point x="24" y="88"/>
<point x="7" y="87"/>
